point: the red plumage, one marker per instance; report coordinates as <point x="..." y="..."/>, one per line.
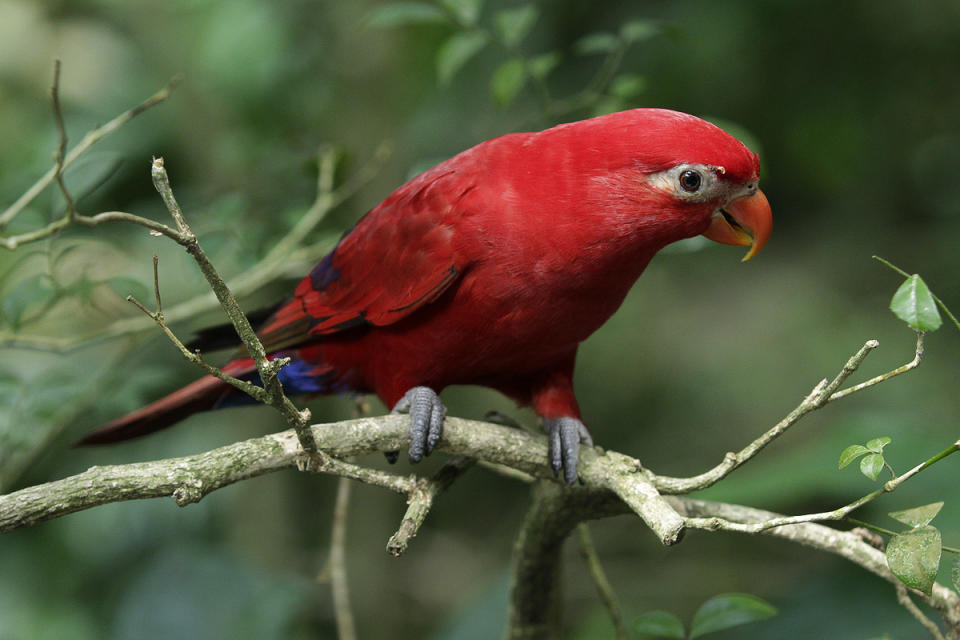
<point x="493" y="266"/>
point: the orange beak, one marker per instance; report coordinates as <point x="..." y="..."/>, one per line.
<point x="745" y="221"/>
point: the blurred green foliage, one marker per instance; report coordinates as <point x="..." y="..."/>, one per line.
<point x="853" y="108"/>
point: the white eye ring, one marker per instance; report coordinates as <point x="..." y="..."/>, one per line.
<point x="690" y="182"/>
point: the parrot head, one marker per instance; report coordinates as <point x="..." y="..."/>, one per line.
<point x="698" y="172"/>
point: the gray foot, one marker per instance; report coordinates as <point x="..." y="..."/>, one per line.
<point x="564" y="436"/>
<point x="426" y="420"/>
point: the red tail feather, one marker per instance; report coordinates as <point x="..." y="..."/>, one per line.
<point x="201" y="395"/>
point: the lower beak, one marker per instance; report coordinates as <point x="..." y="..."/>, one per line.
<point x="745" y="221"/>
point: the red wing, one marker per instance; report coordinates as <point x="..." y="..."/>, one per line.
<point x="398" y="258"/>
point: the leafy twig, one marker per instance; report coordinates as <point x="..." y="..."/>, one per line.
<point x="878" y="529"/>
<point x="940" y="303"/>
<point x="837" y="514"/>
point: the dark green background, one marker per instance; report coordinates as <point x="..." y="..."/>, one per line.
<point x="854" y="106"/>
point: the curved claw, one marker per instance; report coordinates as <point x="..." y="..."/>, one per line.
<point x="426" y="420"/>
<point x="564" y="436"/>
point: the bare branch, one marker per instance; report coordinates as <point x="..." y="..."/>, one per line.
<point x="190" y="478"/>
<point x="61" y="152"/>
<point x="421" y="500"/>
<point x="913" y="364"/>
<point x="903" y="597"/>
<point x="267" y="368"/>
<point x="287" y="258"/>
<point x="346" y="628"/>
<point x="91" y="138"/>
<point x="823" y="393"/>
<point x="604" y="590"/>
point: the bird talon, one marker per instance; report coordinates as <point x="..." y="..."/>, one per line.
<point x="427" y="413"/>
<point x="564" y="437"/>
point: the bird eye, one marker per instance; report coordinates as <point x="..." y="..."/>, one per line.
<point x="690" y="180"/>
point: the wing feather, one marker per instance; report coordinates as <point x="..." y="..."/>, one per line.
<point x="397" y="259"/>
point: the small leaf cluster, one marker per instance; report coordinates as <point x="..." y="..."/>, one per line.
<point x="872" y="463"/>
<point x="716" y="614"/>
<point x="507" y="29"/>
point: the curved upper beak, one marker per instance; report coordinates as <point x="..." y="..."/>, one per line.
<point x="745" y="221"/>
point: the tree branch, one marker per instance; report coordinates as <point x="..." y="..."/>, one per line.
<point x="822" y="394"/>
<point x="421" y="500"/>
<point x="91" y="138"/>
<point x="589" y="553"/>
<point x="190" y="478"/>
<point x="346" y="628"/>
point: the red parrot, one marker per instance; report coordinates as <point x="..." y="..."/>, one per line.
<point x="492" y="267"/>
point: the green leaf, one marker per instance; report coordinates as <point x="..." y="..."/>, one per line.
<point x="399" y="14"/>
<point x="877" y="444"/>
<point x="872" y="465"/>
<point x="914" y="304"/>
<point x="659" y="624"/>
<point x="540" y="66"/>
<point x="851" y="453"/>
<point x="124" y="287"/>
<point x="29" y="293"/>
<point x="637" y="30"/>
<point x="601" y="42"/>
<point x="514" y="24"/>
<point x="507" y="81"/>
<point x="628" y="85"/>
<point x="914" y="557"/>
<point x="918" y="516"/>
<point x="729" y="610"/>
<point x="465" y="11"/>
<point x="457" y="51"/>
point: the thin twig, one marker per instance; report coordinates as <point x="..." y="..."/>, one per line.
<point x="255" y="392"/>
<point x="156" y="285"/>
<point x="277" y="263"/>
<point x="840" y="513"/>
<point x="889" y="532"/>
<point x="604" y="590"/>
<point x="346" y="628"/>
<point x="903" y="597"/>
<point x="913" y="364"/>
<point x="420" y="501"/>
<point x="823" y="393"/>
<point x="61" y="152"/>
<point x="91" y="138"/>
<point x="845" y="544"/>
<point x="820" y="395"/>
<point x="266" y="368"/>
